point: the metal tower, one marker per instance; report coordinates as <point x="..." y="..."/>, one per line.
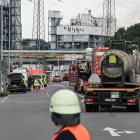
<point x="109" y="19"/>
<point x="38" y="24"/>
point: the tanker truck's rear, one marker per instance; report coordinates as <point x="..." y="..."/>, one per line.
<point x="119" y="80"/>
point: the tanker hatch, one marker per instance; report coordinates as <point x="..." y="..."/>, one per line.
<point x="112" y="59"/>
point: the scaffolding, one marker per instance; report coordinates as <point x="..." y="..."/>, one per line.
<point x="15" y="24"/>
<point x="14" y="30"/>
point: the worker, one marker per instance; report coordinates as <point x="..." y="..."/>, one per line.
<point x="24" y="84"/>
<point x="66" y="110"/>
<point x="30" y="82"/>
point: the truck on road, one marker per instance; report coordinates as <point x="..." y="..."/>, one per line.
<point x="119" y="82"/>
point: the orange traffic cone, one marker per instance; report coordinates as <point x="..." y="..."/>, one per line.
<point x="41" y="87"/>
<point x="32" y="88"/>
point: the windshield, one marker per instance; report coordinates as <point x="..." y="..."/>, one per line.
<point x="36" y="77"/>
<point x="16" y="76"/>
<point x="57" y="76"/>
<point x="65" y="74"/>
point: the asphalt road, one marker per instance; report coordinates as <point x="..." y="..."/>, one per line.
<point x="27" y="117"/>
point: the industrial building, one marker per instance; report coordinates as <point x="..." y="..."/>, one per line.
<point x="14" y="24"/>
<point x="84" y="31"/>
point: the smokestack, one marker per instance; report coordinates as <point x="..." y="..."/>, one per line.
<point x="89" y="12"/>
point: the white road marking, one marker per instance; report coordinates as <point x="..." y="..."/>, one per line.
<point x="61" y="86"/>
<point x="113" y="133"/>
<point x="76" y="93"/>
<point x="129" y="132"/>
<point x="82" y="100"/>
<point x="81" y="96"/>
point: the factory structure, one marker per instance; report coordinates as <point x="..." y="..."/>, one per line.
<point x="84" y="31"/>
<point x="14" y="24"/>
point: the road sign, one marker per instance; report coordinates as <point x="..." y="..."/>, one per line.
<point x="114" y="133"/>
<point x="3" y="66"/>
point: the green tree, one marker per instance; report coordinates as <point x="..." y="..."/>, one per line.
<point x="120" y="34"/>
<point x="136" y="39"/>
<point x="107" y="43"/>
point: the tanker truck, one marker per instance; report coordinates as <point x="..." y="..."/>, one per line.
<point x="119" y="82"/>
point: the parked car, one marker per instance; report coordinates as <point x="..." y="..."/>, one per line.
<point x="65" y="77"/>
<point x="57" y="78"/>
<point x="15" y="82"/>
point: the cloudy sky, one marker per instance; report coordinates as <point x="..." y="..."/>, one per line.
<point x="127" y="12"/>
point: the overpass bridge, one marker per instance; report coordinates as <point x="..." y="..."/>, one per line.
<point x="44" y="57"/>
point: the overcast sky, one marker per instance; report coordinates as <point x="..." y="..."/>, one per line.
<point x="127" y="12"/>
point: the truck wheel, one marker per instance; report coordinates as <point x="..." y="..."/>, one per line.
<point x="102" y="106"/>
<point x="136" y="108"/>
<point x="88" y="108"/>
<point x="95" y="108"/>
<point x="108" y="106"/>
<point x="81" y="91"/>
<point x="75" y="89"/>
<point x="129" y="108"/>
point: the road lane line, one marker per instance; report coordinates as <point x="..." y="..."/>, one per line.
<point x="76" y="93"/>
<point x="29" y="101"/>
<point x="61" y="86"/>
<point x="80" y="95"/>
<point x="48" y="95"/>
<point x="18" y="101"/>
<point x="5" y="99"/>
<point x="40" y="101"/>
<point x="82" y="100"/>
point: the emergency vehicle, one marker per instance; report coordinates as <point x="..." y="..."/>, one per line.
<point x="39" y="78"/>
<point x="80" y="82"/>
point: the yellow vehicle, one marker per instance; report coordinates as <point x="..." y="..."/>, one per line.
<point x="44" y="77"/>
<point x="38" y="81"/>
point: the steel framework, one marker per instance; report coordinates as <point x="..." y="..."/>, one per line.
<point x="38" y="24"/>
<point x="109" y="19"/>
<point x="15" y="24"/>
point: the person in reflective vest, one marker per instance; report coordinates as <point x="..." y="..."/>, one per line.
<point x="24" y="84"/>
<point x="65" y="111"/>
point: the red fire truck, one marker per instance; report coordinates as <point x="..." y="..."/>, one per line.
<point x="80" y="73"/>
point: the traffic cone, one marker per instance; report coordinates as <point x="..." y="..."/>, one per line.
<point x="41" y="87"/>
<point x="32" y="88"/>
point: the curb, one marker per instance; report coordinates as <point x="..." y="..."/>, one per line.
<point x="3" y="94"/>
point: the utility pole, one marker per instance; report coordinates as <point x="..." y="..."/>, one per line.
<point x="38" y="22"/>
<point x="1" y="39"/>
<point x="109" y="20"/>
<point x="9" y="37"/>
